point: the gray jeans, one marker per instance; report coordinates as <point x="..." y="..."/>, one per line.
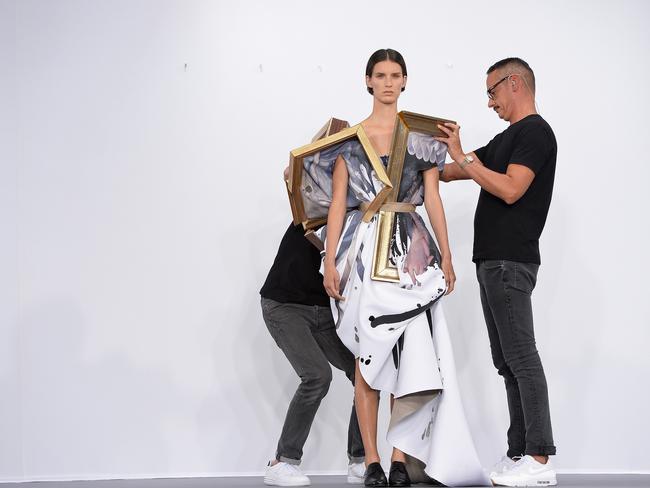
<point x="506" y="288"/>
<point x="307" y="337"/>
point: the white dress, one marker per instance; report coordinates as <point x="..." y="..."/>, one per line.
<point x="398" y="331"/>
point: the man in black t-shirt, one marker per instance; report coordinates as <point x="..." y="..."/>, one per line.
<point x="515" y="170"/>
<point x="296" y="310"/>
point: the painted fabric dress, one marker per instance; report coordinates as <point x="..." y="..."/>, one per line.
<point x="398" y="331"/>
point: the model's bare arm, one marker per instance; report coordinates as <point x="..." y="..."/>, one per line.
<point x="335" y="218"/>
<point x="436" y="213"/>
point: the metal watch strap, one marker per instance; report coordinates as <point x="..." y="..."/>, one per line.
<point x="466" y="160"/>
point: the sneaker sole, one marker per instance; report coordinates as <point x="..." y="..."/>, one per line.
<point x="355" y="480"/>
<point x="273" y="482"/>
<point x="551" y="481"/>
<point x="536" y="483"/>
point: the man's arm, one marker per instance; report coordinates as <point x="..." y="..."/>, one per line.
<point x="452" y="172"/>
<point x="509" y="187"/>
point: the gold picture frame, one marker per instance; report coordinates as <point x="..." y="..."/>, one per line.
<point x="406" y="122"/>
<point x="332" y="126"/>
<point x="296" y="168"/>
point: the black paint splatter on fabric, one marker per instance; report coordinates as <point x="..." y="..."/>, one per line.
<point x="400" y="317"/>
<point x="366" y="361"/>
<point x="397" y="351"/>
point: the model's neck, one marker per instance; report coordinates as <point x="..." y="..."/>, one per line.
<point x="382" y="114"/>
<point x="523" y="112"/>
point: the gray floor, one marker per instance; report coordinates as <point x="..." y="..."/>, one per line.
<point x="573" y="480"/>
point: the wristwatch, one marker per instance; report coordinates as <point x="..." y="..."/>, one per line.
<point x="467" y="160"/>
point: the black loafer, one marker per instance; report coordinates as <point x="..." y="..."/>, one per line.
<point x="375" y="476"/>
<point x="398" y="475"/>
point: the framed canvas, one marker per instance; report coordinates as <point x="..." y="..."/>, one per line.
<point x="383" y="269"/>
<point x="332" y="126"/>
<point x="310" y="195"/>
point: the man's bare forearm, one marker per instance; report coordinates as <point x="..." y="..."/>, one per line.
<point x="452" y="172"/>
<point x="509" y="187"/>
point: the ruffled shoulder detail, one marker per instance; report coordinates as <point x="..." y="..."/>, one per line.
<point x="427" y="149"/>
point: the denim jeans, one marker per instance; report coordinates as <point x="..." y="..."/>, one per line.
<point x="506" y="288"/>
<point x="307" y="336"/>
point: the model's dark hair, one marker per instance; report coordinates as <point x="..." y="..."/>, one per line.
<point x="384" y="55"/>
<point x="516" y="66"/>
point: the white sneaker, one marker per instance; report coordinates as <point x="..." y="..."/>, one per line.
<point x="285" y="474"/>
<point x="503" y="465"/>
<point x="527" y="472"/>
<point x="356" y="473"/>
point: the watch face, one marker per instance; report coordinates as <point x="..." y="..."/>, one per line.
<point x="466" y="161"/>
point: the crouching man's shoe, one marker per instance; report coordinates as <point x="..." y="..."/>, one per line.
<point x="527" y="472"/>
<point x="285" y="474"/>
<point x="356" y="472"/>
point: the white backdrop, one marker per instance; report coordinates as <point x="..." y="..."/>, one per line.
<point x="141" y="204"/>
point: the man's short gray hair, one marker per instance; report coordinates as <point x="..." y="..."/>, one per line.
<point x="516" y="66"/>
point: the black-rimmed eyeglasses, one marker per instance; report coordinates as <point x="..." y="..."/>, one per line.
<point x="490" y="91"/>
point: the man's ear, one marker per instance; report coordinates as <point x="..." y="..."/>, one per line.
<point x="515" y="81"/>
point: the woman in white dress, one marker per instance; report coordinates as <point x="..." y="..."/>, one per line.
<point x="397" y="330"/>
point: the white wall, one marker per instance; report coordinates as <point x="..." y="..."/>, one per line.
<point x="142" y="205"/>
<point x="10" y="394"/>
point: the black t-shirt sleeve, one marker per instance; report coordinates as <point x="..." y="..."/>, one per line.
<point x="531" y="148"/>
<point x="480" y="153"/>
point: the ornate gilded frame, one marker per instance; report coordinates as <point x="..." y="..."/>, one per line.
<point x="332" y="126"/>
<point x="296" y="167"/>
<point x="382" y="268"/>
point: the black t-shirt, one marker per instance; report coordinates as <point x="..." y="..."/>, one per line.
<point x="294" y="276"/>
<point x="512" y="232"/>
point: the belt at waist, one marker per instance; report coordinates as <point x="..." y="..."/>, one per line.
<point x="387" y="207"/>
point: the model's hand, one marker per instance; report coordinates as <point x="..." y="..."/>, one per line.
<point x="450" y="276"/>
<point x="452" y="140"/>
<point x="331" y="281"/>
<point x="418" y="256"/>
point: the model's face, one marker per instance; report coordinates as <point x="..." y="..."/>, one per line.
<point x="500" y="97"/>
<point x="386" y="81"/>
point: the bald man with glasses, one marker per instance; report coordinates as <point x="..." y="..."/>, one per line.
<point x="515" y="171"/>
